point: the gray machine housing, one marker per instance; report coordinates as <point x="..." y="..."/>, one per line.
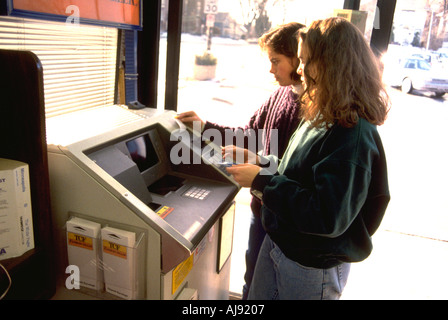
<point x="108" y="177"/>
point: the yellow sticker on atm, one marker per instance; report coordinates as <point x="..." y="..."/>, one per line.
<point x="181" y="272"/>
<point x="115" y="249"/>
<point x="164" y="211"/>
<point x="80" y="241"/>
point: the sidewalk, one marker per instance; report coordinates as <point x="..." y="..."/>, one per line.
<point x="410" y="255"/>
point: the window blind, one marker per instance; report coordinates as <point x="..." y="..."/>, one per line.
<point x="79" y="61"/>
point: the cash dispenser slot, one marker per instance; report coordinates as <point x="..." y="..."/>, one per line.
<point x="166" y="184"/>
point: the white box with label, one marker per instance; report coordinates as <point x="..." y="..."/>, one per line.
<point x="119" y="260"/>
<point x="16" y="221"/>
<point x="83" y="247"/>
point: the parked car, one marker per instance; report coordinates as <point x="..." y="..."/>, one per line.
<point x="431" y="58"/>
<point x="417" y="74"/>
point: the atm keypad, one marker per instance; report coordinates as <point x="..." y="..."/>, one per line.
<point x="197" y="193"/>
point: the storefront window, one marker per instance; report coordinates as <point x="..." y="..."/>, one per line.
<point x="240" y="81"/>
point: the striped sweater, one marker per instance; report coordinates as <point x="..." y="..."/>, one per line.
<point x="279" y="112"/>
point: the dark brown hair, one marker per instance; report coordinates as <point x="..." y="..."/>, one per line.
<point x="346" y="81"/>
<point x="283" y="40"/>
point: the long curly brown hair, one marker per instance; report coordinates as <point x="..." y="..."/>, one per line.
<point x="346" y="80"/>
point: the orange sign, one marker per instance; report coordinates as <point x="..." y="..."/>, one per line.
<point x="125" y="12"/>
<point x="80" y="241"/>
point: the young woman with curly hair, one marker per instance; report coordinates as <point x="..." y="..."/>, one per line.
<point x="330" y="191"/>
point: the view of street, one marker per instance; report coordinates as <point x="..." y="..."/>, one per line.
<point x="410" y="257"/>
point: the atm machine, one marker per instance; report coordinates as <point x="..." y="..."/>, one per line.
<point x="142" y="179"/>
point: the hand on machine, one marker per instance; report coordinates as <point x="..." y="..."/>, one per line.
<point x="244" y="165"/>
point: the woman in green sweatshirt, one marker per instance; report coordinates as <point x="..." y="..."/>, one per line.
<point x="330" y="191"/>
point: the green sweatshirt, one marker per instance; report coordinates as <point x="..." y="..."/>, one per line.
<point x="329" y="195"/>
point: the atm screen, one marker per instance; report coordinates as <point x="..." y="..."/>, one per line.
<point x="142" y="152"/>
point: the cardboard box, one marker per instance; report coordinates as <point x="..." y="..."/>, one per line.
<point x="16" y="221"/>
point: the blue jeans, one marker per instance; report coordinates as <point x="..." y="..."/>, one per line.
<point x="256" y="237"/>
<point x="278" y="278"/>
